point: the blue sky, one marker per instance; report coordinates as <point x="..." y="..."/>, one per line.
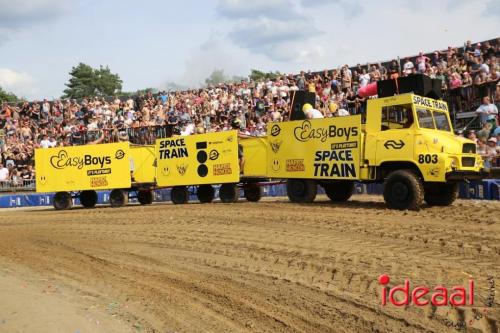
<point x="152" y="42"/>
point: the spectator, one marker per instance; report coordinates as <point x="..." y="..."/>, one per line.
<point x="408" y="67"/>
<point x="487" y="112"/>
<point x="4" y="173"/>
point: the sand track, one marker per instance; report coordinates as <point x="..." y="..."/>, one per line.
<point x="266" y="267"/>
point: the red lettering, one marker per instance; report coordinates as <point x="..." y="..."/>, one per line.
<point x="405" y="290"/>
<point x="418" y="293"/>
<point x="459" y="292"/>
<point x="471" y="292"/>
<point x="440" y="296"/>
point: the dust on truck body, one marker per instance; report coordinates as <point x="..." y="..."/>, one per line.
<point x="406" y="143"/>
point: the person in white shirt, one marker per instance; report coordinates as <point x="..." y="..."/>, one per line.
<point x="408" y="67"/>
<point x="310" y="112"/>
<point x="45" y="143"/>
<point x="4" y="173"/>
<point x="364" y="79"/>
<point x="343" y="113"/>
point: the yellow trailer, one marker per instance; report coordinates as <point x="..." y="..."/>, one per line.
<point x="201" y="160"/>
<point x="80" y="171"/>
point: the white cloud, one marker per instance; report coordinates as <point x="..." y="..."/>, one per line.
<point x="275" y="9"/>
<point x="19" y="83"/>
<point x="19" y="14"/>
<point x="275" y="29"/>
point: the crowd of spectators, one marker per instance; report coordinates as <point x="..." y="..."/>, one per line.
<point x="141" y="119"/>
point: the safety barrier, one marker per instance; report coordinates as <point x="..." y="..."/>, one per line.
<point x="17" y="185"/>
<point x="483" y="190"/>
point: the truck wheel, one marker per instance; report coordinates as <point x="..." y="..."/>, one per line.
<point x="145" y="197"/>
<point x="252" y="192"/>
<point x="205" y="193"/>
<point x="339" y="191"/>
<point x="88" y="199"/>
<point x="439" y="194"/>
<point x="179" y="195"/>
<point x="229" y="193"/>
<point x="403" y="190"/>
<point x="118" y="198"/>
<point x="301" y="190"/>
<point x="62" y="200"/>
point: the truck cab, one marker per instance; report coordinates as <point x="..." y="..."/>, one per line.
<point x="409" y="144"/>
<point x="404" y="141"/>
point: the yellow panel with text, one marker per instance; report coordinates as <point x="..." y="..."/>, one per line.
<point x="78" y="168"/>
<point x="315" y="149"/>
<point x="198" y="159"/>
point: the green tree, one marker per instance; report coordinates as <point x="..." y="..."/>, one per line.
<point x="86" y="81"/>
<point x="256" y="75"/>
<point x="7" y="97"/>
<point x="216" y="78"/>
<point x="107" y="83"/>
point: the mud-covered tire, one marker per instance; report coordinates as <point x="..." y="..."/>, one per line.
<point x="339" y="191"/>
<point x="252" y="192"/>
<point x="301" y="190"/>
<point x="205" y="193"/>
<point x="439" y="194"/>
<point x="118" y="198"/>
<point x="403" y="189"/>
<point x="145" y="197"/>
<point x="179" y="195"/>
<point x="229" y="193"/>
<point x="88" y="199"/>
<point x="62" y="200"/>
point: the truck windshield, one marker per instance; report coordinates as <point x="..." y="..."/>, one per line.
<point x="441" y="120"/>
<point x="433" y="119"/>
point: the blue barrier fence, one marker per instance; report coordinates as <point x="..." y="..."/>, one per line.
<point x="483" y="190"/>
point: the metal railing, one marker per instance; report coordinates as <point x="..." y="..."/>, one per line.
<point x="464" y="101"/>
<point x="139" y="135"/>
<point x="19" y="185"/>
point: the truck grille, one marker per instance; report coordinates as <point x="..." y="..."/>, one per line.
<point x="469" y="148"/>
<point x="468" y="161"/>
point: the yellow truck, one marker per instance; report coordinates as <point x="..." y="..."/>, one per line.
<point x="405" y="142"/>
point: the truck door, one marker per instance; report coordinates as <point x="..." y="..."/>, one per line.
<point x="396" y="137"/>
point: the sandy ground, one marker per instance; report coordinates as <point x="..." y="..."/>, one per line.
<point x="271" y="266"/>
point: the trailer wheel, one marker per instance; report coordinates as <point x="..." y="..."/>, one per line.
<point x="252" y="192"/>
<point x="205" y="193"/>
<point x="301" y="190"/>
<point x="439" y="194"/>
<point x="339" y="191"/>
<point x="179" y="195"/>
<point x="229" y="193"/>
<point x="88" y="199"/>
<point x="118" y="198"/>
<point x="145" y="197"/>
<point x="403" y="190"/>
<point x="62" y="200"/>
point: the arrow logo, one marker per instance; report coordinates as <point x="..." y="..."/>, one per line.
<point x="393" y="144"/>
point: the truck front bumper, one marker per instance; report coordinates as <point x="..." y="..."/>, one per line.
<point x="466" y="175"/>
